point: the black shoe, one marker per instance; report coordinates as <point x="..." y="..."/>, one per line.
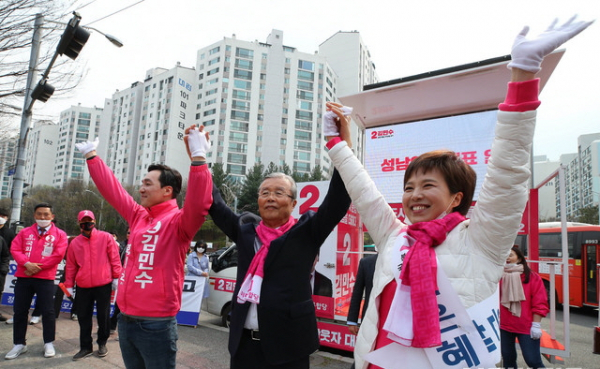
<point x="102" y="351"/>
<point x="3" y="318"/>
<point x="82" y="353"/>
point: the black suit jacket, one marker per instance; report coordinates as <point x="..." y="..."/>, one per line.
<point x="286" y="314"/>
<point x="364" y="282"/>
<point x="322" y="285"/>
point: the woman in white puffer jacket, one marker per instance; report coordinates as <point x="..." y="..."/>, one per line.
<point x="471" y="253"/>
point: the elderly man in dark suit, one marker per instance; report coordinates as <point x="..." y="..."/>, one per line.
<point x="273" y="322"/>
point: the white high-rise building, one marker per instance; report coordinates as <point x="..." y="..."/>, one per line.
<point x="77" y="124"/>
<point x="119" y="131"/>
<point x="263" y="102"/>
<point x="542" y="168"/>
<point x="147" y="121"/>
<point x="582" y="175"/>
<point x="8" y="159"/>
<point x="349" y="57"/>
<point x="42" y="144"/>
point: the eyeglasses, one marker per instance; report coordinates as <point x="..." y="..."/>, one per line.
<point x="278" y="194"/>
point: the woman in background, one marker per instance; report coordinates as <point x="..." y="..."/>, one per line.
<point x="523" y="304"/>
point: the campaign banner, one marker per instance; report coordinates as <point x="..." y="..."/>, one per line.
<point x="336" y="336"/>
<point x="348" y="241"/>
<point x="390" y="149"/>
<point x="8" y="297"/>
<point x="191" y="298"/>
<point x="337" y="263"/>
<point x="324" y="306"/>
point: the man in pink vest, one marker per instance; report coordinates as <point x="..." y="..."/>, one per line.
<point x="150" y="287"/>
<point x="93" y="263"/>
<point x="37" y="250"/>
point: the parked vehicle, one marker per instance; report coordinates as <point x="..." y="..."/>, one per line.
<point x="222" y="284"/>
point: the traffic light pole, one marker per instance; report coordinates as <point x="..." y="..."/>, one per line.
<point x="19" y="177"/>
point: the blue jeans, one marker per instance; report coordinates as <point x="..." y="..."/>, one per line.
<point x="529" y="347"/>
<point x="148" y="344"/>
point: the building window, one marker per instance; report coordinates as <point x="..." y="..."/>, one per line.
<point x="307" y="65"/>
<point x="244" y="74"/>
<point x="244" y="53"/>
<point x="245" y="85"/>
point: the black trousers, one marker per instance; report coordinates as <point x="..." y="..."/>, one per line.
<point x="250" y="355"/>
<point x="85" y="298"/>
<point x="25" y="288"/>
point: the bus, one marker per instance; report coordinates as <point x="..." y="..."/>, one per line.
<point x="584" y="258"/>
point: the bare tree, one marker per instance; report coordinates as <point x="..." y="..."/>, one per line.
<point x="16" y="31"/>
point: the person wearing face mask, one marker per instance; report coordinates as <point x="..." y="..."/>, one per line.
<point x="94" y="265"/>
<point x="37" y="251"/>
<point x="197" y="264"/>
<point x="437" y="264"/>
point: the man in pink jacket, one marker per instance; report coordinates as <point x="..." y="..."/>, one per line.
<point x="150" y="287"/>
<point x="37" y="250"/>
<point x="93" y="264"/>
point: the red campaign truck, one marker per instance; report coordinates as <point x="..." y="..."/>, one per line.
<point x="334" y="274"/>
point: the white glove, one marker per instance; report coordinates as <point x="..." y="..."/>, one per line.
<point x="198" y="143"/>
<point x="115" y="283"/>
<point x="527" y="54"/>
<point x="536" y="331"/>
<point x="329" y="119"/>
<point x="87" y="146"/>
<point x="71" y="292"/>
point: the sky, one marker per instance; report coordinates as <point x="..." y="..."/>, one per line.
<point x="404" y="38"/>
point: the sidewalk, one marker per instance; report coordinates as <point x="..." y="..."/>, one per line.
<point x="203" y="347"/>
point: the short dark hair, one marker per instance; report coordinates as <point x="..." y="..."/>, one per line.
<point x="459" y="176"/>
<point x="43" y="205"/>
<point x="168" y="177"/>
<point x="4" y="212"/>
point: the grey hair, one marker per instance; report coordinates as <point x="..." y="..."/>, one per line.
<point x="293" y="187"/>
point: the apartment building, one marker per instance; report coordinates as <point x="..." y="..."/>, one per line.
<point x="42" y="144"/>
<point x="263" y="102"/>
<point x="76" y="124"/>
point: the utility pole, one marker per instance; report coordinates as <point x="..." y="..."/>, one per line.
<point x="19" y="178"/>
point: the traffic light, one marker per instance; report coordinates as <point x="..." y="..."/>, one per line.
<point x="42" y="91"/>
<point x="73" y="38"/>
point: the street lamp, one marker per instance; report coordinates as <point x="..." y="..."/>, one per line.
<point x="71" y="43"/>
<point x="101" y="206"/>
<point x="113" y="40"/>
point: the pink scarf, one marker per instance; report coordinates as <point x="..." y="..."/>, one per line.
<point x="250" y="289"/>
<point x="419" y="271"/>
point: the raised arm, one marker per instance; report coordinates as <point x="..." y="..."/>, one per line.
<point x="497" y="215"/>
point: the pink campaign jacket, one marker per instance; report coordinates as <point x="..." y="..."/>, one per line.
<point x="93" y="261"/>
<point x="536" y="302"/>
<point x="152" y="280"/>
<point x="29" y="246"/>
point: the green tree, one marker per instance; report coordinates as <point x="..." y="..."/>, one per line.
<point x="285" y="169"/>
<point x="247" y="200"/>
<point x="317" y="174"/>
<point x="219" y="175"/>
<point x="300" y="177"/>
<point x="271" y="168"/>
<point x="588" y="215"/>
